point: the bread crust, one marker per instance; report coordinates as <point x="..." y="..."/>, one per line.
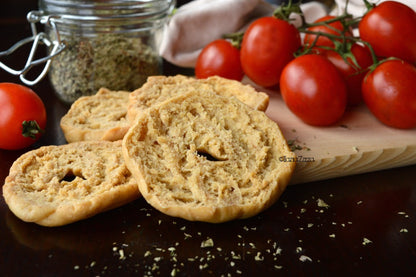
<point x="161" y="88"/>
<point x="98" y="117"/>
<point x="58" y="185"/>
<point x="107" y="115"/>
<point x="205" y="157"/>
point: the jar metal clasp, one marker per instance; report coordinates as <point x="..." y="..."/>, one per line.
<point x="37" y="39"/>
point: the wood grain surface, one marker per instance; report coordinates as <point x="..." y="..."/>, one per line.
<point x="358" y="143"/>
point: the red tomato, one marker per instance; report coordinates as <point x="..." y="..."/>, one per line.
<point x="21" y="111"/>
<point x="353" y="75"/>
<point x="390" y="28"/>
<point x="389" y="92"/>
<point x="268" y="45"/>
<point x="333" y="28"/>
<point x="219" y="58"/>
<point x="314" y="90"/>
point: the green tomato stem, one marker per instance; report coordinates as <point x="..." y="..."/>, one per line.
<point x="31" y="128"/>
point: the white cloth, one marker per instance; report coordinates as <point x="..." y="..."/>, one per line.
<point x="357" y="7"/>
<point x="199" y="22"/>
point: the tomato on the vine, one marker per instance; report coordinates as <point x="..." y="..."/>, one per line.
<point x="389" y="92"/>
<point x="335" y="28"/>
<point x="353" y="73"/>
<point x="390" y="28"/>
<point x="268" y="45"/>
<point x="219" y="58"/>
<point x="22" y="116"/>
<point x="314" y="90"/>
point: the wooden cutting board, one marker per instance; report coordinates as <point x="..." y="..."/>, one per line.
<point x="358" y="143"/>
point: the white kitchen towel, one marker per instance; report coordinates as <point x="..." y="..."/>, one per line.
<point x="357" y="7"/>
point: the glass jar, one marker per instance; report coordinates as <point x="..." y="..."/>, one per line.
<point x="108" y="43"/>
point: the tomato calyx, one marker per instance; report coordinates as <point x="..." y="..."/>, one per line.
<point x="369" y="6"/>
<point x="347" y="54"/>
<point x="234" y="38"/>
<point x="378" y="62"/>
<point x="30" y="129"/>
<point x="284" y="11"/>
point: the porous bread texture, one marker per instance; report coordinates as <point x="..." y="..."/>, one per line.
<point x="97" y="117"/>
<point x="161" y="88"/>
<point x="205" y="157"/>
<point x="58" y="185"/>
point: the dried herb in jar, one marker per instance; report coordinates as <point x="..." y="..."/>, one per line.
<point x="114" y="61"/>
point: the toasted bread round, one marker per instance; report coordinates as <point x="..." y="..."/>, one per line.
<point x="205" y="157"/>
<point x="98" y="117"/>
<point x="57" y="185"/>
<point x="160" y="88"/>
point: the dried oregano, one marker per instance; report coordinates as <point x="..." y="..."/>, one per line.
<point x="114" y="61"/>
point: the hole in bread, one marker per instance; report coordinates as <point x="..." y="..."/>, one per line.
<point x="208" y="156"/>
<point x="70" y="176"/>
<point x="120" y="117"/>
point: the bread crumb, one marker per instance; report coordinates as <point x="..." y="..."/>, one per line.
<point x="404" y="214"/>
<point x="366" y="241"/>
<point x="207" y="243"/>
<point x="304" y="258"/>
<point x="321" y="203"/>
<point x="259" y="257"/>
<point x="203" y="266"/>
<point x="121" y="252"/>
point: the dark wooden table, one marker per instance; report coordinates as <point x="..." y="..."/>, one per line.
<point x="363" y="225"/>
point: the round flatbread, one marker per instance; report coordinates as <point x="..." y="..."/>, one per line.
<point x="206" y="157"/>
<point x="161" y="88"/>
<point x="97" y="117"/>
<point x="58" y="185"/>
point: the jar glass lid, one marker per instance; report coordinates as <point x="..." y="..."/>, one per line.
<point x="81" y="10"/>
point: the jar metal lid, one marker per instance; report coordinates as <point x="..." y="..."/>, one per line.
<point x="36" y="39"/>
<point x="84" y="10"/>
